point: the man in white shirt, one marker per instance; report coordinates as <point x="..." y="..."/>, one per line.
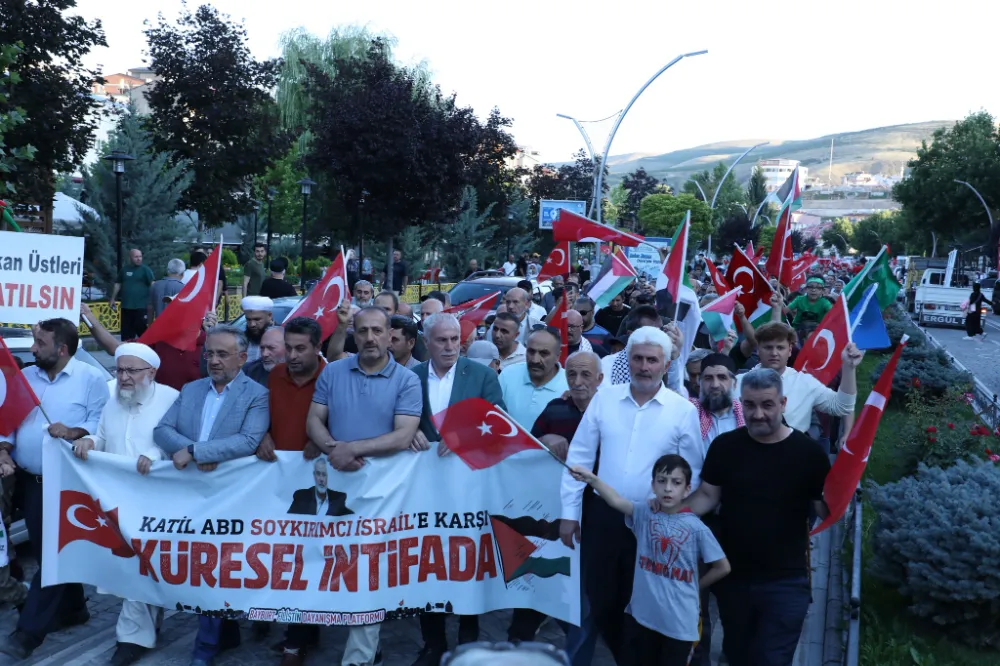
<point x="72" y="394"/>
<point x="509" y="266"/>
<point x="504" y="334"/>
<point x="775" y="341"/>
<point x="126" y="429"/>
<point x="615" y="367"/>
<point x="530" y="386"/>
<point x="625" y="429"/>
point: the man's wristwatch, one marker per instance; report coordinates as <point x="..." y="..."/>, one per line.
<point x="190" y="448"/>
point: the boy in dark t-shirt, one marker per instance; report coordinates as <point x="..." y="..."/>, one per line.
<point x="670" y="541"/>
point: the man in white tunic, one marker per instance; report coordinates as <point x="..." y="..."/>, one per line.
<point x="126" y="429"/>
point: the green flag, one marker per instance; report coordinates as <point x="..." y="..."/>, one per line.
<point x="877" y="272"/>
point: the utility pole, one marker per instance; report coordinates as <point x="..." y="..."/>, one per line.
<point x="829" y="175"/>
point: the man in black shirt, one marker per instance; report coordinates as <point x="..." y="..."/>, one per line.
<point x="611" y="317"/>
<point x="767" y="477"/>
<point x="400" y="272"/>
<point x="275" y="286"/>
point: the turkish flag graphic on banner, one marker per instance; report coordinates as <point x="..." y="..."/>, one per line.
<point x="577" y="228"/>
<point x="820" y="355"/>
<point x="322" y="302"/>
<point x="844" y="476"/>
<point x="179" y="325"/>
<point x="557" y="263"/>
<point x="482" y="434"/>
<point x="81" y="518"/>
<point x="16" y="397"/>
<point x="721" y="286"/>
<point x="476" y="310"/>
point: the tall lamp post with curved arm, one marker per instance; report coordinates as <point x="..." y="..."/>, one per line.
<point x="989" y="216"/>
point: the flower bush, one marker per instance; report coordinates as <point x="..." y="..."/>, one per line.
<point x="924" y="368"/>
<point x="936" y="539"/>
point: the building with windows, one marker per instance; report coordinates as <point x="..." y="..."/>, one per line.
<point x="777" y="171"/>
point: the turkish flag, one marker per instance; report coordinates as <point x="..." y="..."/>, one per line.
<point x="560" y="319"/>
<point x="820" y="355"/>
<point x="322" y="302"/>
<point x="576" y="228"/>
<point x="721" y="286"/>
<point x="844" y="476"/>
<point x="756" y="290"/>
<point x="780" y="250"/>
<point x="81" y="518"/>
<point x="557" y="263"/>
<point x="16" y="397"/>
<point x="476" y="310"/>
<point x="179" y="325"/>
<point x="482" y="434"/>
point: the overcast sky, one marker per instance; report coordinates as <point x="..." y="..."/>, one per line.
<point x="799" y="70"/>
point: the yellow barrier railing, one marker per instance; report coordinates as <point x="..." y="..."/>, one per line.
<point x="111" y="319"/>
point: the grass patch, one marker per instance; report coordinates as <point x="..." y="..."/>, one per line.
<point x="890" y="636"/>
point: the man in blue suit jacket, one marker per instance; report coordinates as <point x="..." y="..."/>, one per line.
<point x="447" y="379"/>
<point x="219" y="418"/>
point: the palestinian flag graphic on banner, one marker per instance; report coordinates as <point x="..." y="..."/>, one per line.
<point x="520" y="555"/>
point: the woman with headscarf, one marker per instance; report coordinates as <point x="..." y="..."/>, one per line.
<point x="974" y="317"/>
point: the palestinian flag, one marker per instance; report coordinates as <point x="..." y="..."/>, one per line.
<point x="718" y="316"/>
<point x="673" y="278"/>
<point x="877" y="272"/>
<point x="520" y="556"/>
<point x="616" y="274"/>
<point x="790" y="192"/>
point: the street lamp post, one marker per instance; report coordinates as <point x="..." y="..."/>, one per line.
<point x="989" y="216"/>
<point x="306" y="185"/>
<point x="271" y="192"/>
<point x="256" y="212"/>
<point x="510" y="220"/>
<point x="721" y="182"/>
<point x="118" y="159"/>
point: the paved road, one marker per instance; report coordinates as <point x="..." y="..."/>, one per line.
<point x="982" y="358"/>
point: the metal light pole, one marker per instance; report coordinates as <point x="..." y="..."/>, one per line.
<point x="590" y="151"/>
<point x="306" y="185"/>
<point x="599" y="168"/>
<point x="721" y="182"/>
<point x="271" y="192"/>
<point x="754" y="220"/>
<point x="510" y="220"/>
<point x="698" y="185"/>
<point x="118" y="159"/>
<point x="256" y="212"/>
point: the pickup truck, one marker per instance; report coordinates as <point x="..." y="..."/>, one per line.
<point x="938" y="305"/>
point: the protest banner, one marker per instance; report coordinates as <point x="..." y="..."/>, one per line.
<point x="415" y="532"/>
<point x="41" y="277"/>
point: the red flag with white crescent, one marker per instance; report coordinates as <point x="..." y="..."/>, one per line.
<point x="844" y="476"/>
<point x="569" y="226"/>
<point x="557" y="263"/>
<point x="475" y="311"/>
<point x="179" y="325"/>
<point x="322" y="302"/>
<point x="482" y="434"/>
<point x="756" y="290"/>
<point x="820" y="355"/>
<point x="16" y="397"/>
<point x="721" y="286"/>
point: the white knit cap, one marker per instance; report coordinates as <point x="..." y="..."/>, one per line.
<point x="138" y="350"/>
<point x="258" y="303"/>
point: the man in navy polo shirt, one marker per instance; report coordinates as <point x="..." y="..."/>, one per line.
<point x="389" y="396"/>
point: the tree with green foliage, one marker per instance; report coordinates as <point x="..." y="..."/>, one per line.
<point x="765" y="237"/>
<point x="661" y="213"/>
<point x="286" y="207"/>
<point x="467" y="236"/>
<point x="155" y="183"/>
<point x="638" y="185"/>
<point x="570" y="182"/>
<point x="839" y="235"/>
<point x="53" y="95"/>
<point x="10" y="117"/>
<point x="935" y="204"/>
<point x="756" y="191"/>
<point x="212" y="107"/>
<point x="730" y="196"/>
<point x="874" y="231"/>
<point x="735" y="229"/>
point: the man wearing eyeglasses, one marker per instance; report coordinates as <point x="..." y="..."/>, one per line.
<point x="219" y="418"/>
<point x="126" y="429"/>
<point x="597" y="335"/>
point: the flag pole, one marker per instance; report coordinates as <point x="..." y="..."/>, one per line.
<point x="537" y="441"/>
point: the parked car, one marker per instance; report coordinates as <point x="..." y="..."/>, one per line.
<point x="19" y="341"/>
<point x="477" y="287"/>
<point x="282" y="307"/>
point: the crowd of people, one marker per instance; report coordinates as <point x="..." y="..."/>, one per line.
<point x="717" y="465"/>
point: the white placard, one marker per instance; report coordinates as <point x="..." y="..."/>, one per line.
<point x="41" y="277"/>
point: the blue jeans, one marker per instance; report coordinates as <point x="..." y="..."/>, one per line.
<point x="581" y="641"/>
<point x="206" y="642"/>
<point x="762" y="620"/>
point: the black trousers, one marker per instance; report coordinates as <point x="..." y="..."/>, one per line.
<point x="433" y="630"/>
<point x="650" y="648"/>
<point x="45" y="605"/>
<point x="299" y="636"/>
<point x="133" y="323"/>
<point x="608" y="564"/>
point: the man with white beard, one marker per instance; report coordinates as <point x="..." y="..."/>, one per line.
<point x="126" y="429"/>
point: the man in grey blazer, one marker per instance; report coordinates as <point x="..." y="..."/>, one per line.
<point x="447" y="379"/>
<point x="219" y="418"/>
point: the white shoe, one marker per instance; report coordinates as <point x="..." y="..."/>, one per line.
<point x="968" y="337"/>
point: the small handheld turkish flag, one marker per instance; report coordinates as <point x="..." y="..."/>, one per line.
<point x="557" y="263"/>
<point x="16" y="397"/>
<point x="820" y="355"/>
<point x="322" y="302"/>
<point x="721" y="286"/>
<point x="476" y="310"/>
<point x="844" y="476"/>
<point x="569" y="226"/>
<point x="179" y="325"/>
<point x="81" y="518"/>
<point x="482" y="434"/>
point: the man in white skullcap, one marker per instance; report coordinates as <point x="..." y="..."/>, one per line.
<point x="126" y="429"/>
<point x="257" y="310"/>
